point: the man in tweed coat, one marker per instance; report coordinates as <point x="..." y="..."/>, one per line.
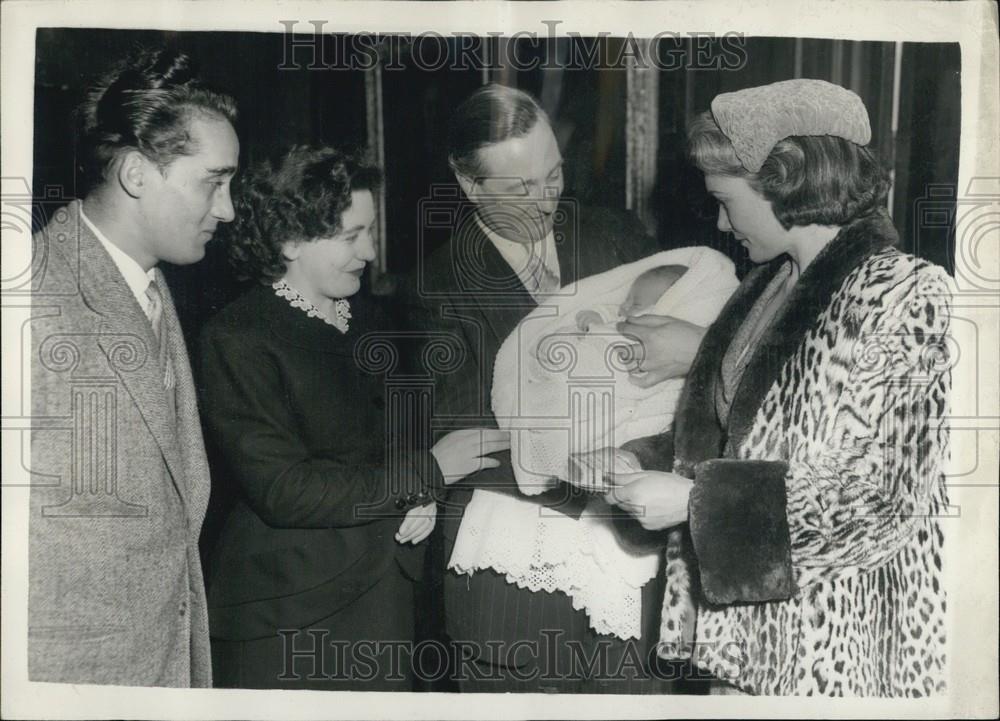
<point x="116" y="594"/>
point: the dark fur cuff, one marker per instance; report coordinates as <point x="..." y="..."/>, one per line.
<point x="740" y="530"/>
<point x="655" y="453"/>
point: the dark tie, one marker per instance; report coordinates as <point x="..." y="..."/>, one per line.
<point x="544" y="281"/>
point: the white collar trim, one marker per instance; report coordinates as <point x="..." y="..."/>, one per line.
<point x="342" y="308"/>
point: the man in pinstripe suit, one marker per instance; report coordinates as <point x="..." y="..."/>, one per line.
<point x="513" y="242"/>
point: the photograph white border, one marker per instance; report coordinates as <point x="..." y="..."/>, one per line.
<point x="971" y="562"/>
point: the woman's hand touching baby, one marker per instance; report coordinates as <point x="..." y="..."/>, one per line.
<point x="668" y="346"/>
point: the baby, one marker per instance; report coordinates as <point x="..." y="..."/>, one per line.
<point x="565" y="392"/>
<point x="646" y="290"/>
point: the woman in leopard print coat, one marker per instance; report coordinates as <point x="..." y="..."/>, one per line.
<point x="809" y="444"/>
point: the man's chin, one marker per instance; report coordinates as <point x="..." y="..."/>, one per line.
<point x="527" y="239"/>
<point x="197" y="254"/>
<point x="519" y="227"/>
<point x="534" y="235"/>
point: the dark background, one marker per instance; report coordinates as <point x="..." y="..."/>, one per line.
<point x="280" y="107"/>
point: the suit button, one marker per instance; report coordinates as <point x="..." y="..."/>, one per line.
<point x="400" y="504"/>
<point x="411" y="499"/>
<point x="183" y="608"/>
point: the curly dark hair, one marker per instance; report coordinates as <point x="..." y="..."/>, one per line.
<point x="145" y="102"/>
<point x="821" y="179"/>
<point x="301" y="198"/>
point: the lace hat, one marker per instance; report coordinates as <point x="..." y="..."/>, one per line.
<point x="756" y="119"/>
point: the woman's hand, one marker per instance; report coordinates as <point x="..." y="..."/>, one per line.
<point x="668" y="347"/>
<point x="593" y="470"/>
<point x="417" y="524"/>
<point x="656" y="499"/>
<point x="462" y="452"/>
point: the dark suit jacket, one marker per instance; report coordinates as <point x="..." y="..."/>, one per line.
<point x="468" y="289"/>
<point x="301" y="432"/>
<point x="121" y="480"/>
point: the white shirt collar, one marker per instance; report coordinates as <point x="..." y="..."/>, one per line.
<point x="517" y="255"/>
<point x="135" y="277"/>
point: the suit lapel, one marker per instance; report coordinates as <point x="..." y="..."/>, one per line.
<point x="580" y="252"/>
<point x="127" y="339"/>
<point x="568" y="248"/>
<point x="188" y="425"/>
<point x="503" y="309"/>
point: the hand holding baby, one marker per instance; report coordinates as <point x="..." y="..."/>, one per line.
<point x="646" y="290"/>
<point x="664" y="346"/>
<point x="668" y="347"/>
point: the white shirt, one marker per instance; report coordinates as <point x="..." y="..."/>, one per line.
<point x="518" y="255"/>
<point x="135" y="277"/>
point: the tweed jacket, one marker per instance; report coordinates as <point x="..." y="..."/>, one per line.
<point x="814" y="547"/>
<point x="306" y="441"/>
<point x="120" y="479"/>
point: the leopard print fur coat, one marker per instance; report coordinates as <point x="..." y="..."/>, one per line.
<point x="811" y="563"/>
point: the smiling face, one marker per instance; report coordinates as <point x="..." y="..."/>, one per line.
<point x="749" y="217"/>
<point x="326" y="269"/>
<point x="518" y="189"/>
<point x="182" y="204"/>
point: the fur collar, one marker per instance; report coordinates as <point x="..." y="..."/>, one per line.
<point x="698" y="435"/>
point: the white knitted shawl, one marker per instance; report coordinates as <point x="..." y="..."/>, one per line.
<point x="560" y="391"/>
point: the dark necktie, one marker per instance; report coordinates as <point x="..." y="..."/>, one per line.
<point x="544" y="281"/>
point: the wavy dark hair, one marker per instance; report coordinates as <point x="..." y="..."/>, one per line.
<point x="145" y="103"/>
<point x="302" y="197"/>
<point x="814" y="179"/>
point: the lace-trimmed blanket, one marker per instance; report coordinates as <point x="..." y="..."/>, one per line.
<point x="559" y="390"/>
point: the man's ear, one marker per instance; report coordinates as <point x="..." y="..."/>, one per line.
<point x="133" y="173"/>
<point x="465" y="182"/>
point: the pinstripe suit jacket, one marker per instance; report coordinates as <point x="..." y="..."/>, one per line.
<point x="119" y="480"/>
<point x="469" y="290"/>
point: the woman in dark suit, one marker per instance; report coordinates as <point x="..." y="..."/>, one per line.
<point x="311" y="584"/>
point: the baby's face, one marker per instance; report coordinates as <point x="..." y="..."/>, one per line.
<point x="647" y="289"/>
